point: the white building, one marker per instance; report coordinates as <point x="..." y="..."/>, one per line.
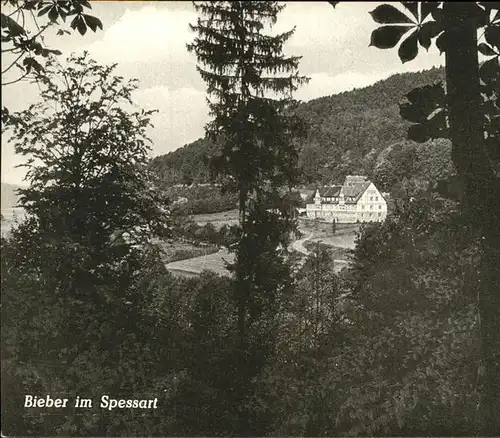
<point x="357" y="200"/>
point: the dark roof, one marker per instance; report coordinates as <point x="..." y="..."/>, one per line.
<point x="329" y="191"/>
<point x="356" y="190"/>
<point x="353" y="188"/>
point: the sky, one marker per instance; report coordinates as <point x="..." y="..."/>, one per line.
<point x="147" y="40"/>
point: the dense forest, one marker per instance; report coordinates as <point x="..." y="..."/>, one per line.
<point x="402" y="342"/>
<point x="186" y="165"/>
<point x="348" y="133"/>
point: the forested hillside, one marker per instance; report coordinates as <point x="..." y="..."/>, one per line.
<point x="347" y="134"/>
<point x="184" y="165"/>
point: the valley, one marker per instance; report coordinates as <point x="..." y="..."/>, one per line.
<point x="339" y="243"/>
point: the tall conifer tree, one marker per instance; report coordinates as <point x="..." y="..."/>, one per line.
<point x="250" y="83"/>
<point x="242" y="66"/>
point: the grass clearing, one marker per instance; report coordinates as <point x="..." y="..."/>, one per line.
<point x="217" y="219"/>
<point x="211" y="262"/>
<point x="175" y="250"/>
<point x="344" y="236"/>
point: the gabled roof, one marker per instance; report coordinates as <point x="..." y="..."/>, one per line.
<point x="356" y="190"/>
<point x="353" y="188"/>
<point x="331" y="191"/>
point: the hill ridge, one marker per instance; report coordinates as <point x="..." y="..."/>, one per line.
<point x="348" y="131"/>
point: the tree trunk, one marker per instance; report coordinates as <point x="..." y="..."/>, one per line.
<point x="480" y="191"/>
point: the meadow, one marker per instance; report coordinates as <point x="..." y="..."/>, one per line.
<point x="217" y="219"/>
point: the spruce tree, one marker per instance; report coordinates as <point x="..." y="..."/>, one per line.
<point x="250" y="83"/>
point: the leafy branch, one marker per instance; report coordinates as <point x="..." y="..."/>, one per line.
<point x="27" y="45"/>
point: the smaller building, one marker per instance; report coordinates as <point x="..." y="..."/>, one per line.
<point x="357" y="200"/>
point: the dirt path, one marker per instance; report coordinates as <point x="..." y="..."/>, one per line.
<point x="215" y="262"/>
<point x="343" y="238"/>
<point x="298" y="245"/>
<point x="195" y="265"/>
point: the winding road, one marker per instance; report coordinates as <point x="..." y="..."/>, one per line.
<point x="298" y="245"/>
<point x="215" y="262"/>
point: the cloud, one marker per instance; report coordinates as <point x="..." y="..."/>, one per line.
<point x="319" y="25"/>
<point x="324" y="84"/>
<point x="336" y="43"/>
<point x="181" y="118"/>
<point x="148" y="34"/>
<point x="149" y="42"/>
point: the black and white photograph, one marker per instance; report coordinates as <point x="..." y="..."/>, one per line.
<point x="250" y="218"/>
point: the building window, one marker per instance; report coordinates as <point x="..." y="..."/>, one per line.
<point x="371" y="207"/>
<point x="376" y="198"/>
<point x="380" y="207"/>
<point x="370" y="214"/>
<point x="380" y="214"/>
<point x="371" y="198"/>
